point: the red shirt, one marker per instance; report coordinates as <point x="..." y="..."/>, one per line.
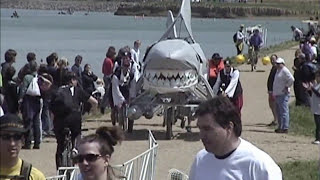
<point x="215" y="69"/>
<point x="107" y="66"/>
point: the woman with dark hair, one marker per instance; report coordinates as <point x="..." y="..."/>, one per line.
<point x="88" y="79"/>
<point x="94" y="153"/>
<point x="107" y="70"/>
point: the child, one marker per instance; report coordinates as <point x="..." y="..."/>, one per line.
<point x="315" y="104"/>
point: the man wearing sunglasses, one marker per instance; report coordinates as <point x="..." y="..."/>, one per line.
<point x="11" y="140"/>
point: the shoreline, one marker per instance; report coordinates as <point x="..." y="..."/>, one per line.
<point x="155" y="10"/>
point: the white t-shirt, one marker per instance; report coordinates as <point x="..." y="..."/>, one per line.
<point x="247" y="162"/>
<point x="282" y="79"/>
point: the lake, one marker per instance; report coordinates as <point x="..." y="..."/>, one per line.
<point x="44" y="32"/>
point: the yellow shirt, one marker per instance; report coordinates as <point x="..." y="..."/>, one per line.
<point x="35" y="174"/>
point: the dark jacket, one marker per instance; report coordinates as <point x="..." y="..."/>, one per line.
<point x="88" y="82"/>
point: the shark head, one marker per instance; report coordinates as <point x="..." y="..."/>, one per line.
<point x="172" y="66"/>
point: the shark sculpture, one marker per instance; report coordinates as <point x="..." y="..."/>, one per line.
<point x="175" y="73"/>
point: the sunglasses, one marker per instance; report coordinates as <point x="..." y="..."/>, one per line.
<point x="88" y="157"/>
<point x="15" y="137"/>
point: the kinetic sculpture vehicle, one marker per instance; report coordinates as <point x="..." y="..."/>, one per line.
<point x="175" y="74"/>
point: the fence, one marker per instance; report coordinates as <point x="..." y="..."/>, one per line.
<point x="142" y="167"/>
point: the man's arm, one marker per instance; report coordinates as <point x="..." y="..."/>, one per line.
<point x="233" y="84"/>
<point x="216" y="86"/>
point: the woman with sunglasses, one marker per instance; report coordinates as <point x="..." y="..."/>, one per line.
<point x="94" y="153"/>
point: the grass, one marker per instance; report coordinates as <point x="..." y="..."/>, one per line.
<point x="300" y="170"/>
<point x="301" y="121"/>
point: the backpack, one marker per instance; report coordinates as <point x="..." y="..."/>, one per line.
<point x="235" y="38"/>
<point x="25" y="172"/>
<point x="33" y="88"/>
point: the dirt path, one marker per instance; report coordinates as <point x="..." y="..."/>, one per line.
<point x="179" y="152"/>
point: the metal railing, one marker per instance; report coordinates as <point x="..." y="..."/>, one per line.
<point x="141" y="167"/>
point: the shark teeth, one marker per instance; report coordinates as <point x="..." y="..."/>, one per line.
<point x="171" y="79"/>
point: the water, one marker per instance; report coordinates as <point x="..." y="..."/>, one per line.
<point x="44" y="32"/>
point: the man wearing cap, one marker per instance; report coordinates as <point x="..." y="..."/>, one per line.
<point x="228" y="84"/>
<point x="215" y="65"/>
<point x="281" y="91"/>
<point x="11" y="140"/>
<point x="239" y="40"/>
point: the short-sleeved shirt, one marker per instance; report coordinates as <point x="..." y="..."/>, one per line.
<point x="35" y="174"/>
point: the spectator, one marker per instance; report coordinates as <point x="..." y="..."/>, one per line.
<point x="215" y="66"/>
<point x="301" y="72"/>
<point x="77" y="69"/>
<point x="88" y="79"/>
<point x="11" y="98"/>
<point x="281" y="90"/>
<point x="45" y="83"/>
<point x="60" y="76"/>
<point x="226" y="154"/>
<point x="26" y="68"/>
<point x="65" y="105"/>
<point x="315" y="105"/>
<point x="239" y="39"/>
<point x="107" y="70"/>
<point x="228" y="84"/>
<point x="135" y="54"/>
<point x="271" y="98"/>
<point x="256" y="42"/>
<point x="11" y="140"/>
<point x="314" y="49"/>
<point x="10" y="58"/>
<point x="52" y="64"/>
<point x="297" y="33"/>
<point x="95" y="152"/>
<point x="30" y="109"/>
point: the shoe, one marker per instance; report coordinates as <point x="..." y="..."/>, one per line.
<point x="36" y="146"/>
<point x="316" y="142"/>
<point x="102" y="110"/>
<point x="273" y="123"/>
<point x="188" y="128"/>
<point x="284" y="131"/>
<point x="26" y="146"/>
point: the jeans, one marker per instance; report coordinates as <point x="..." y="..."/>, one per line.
<point x="282" y="106"/>
<point x="45" y="117"/>
<point x="317" y="121"/>
<point x="31" y="107"/>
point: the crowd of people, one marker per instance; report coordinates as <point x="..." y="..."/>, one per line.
<point x="53" y="96"/>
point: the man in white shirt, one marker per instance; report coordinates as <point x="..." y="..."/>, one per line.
<point x="239" y="40"/>
<point x="135" y="53"/>
<point x="283" y="80"/>
<point x="227" y="156"/>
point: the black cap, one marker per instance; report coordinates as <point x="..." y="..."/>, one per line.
<point x="216" y="56"/>
<point x="11" y="123"/>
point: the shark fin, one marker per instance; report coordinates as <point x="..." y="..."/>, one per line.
<point x="172" y="34"/>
